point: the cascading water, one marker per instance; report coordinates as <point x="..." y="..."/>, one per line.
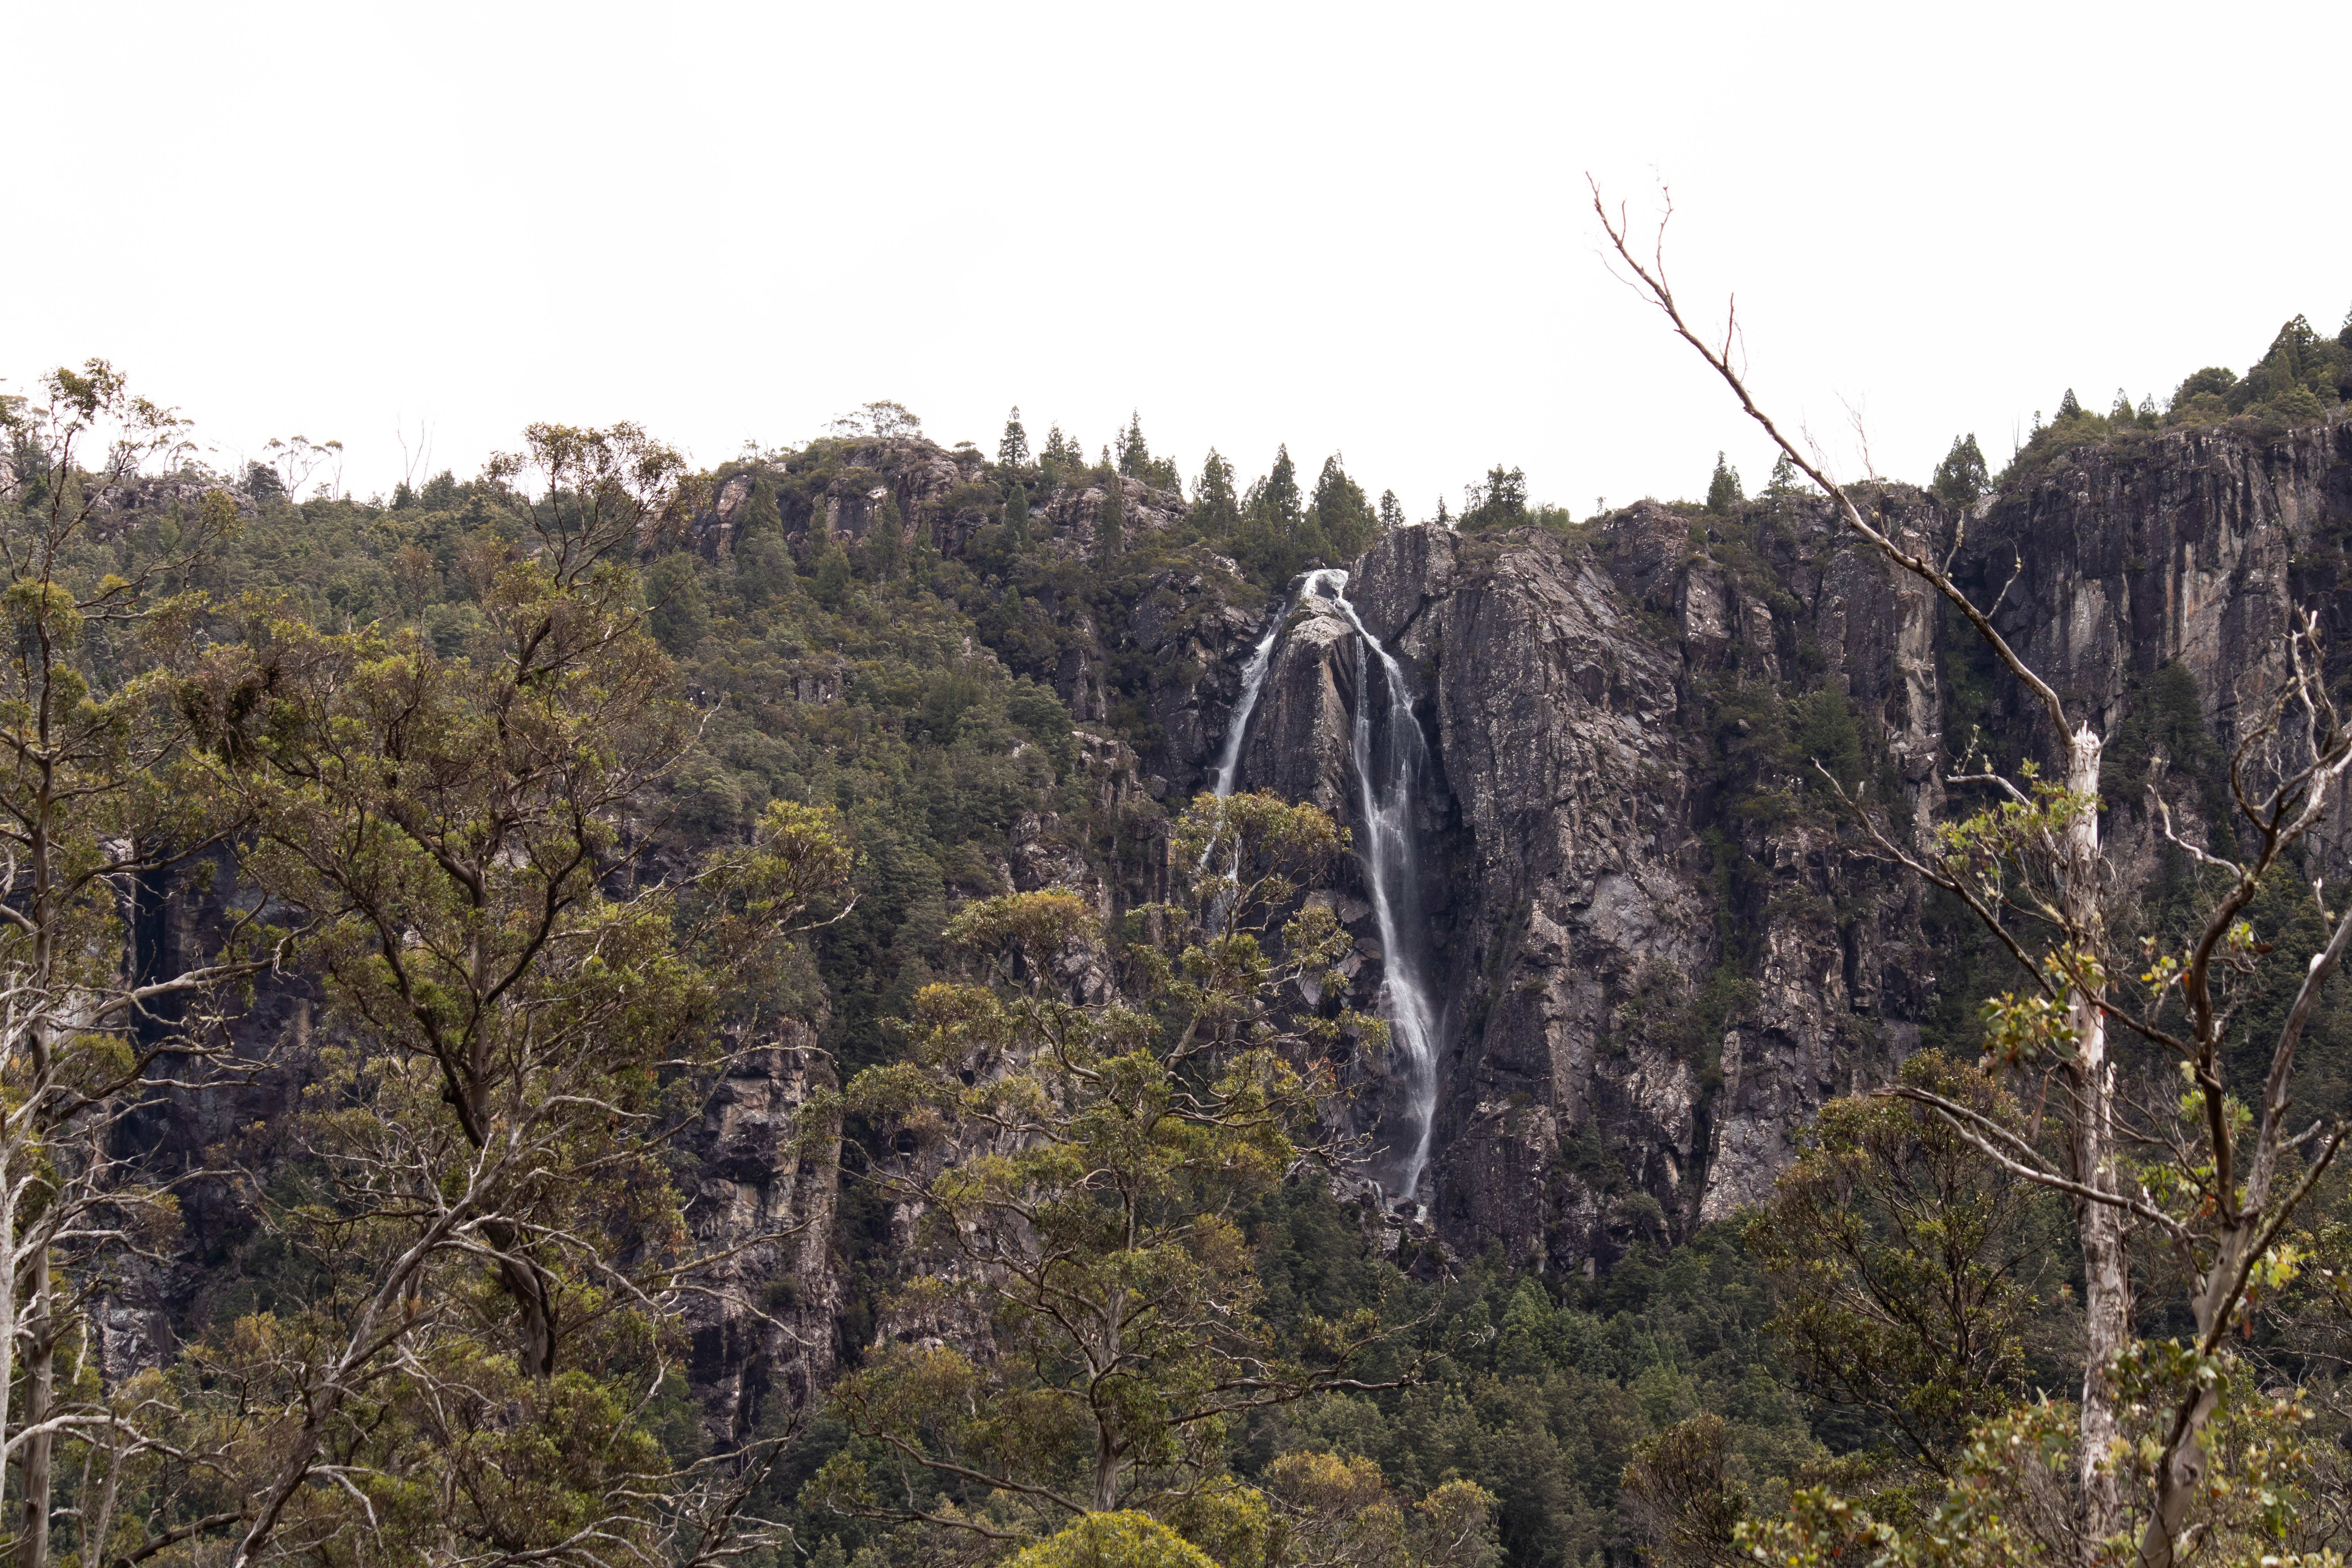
<point x="1386" y="795"/>
<point x="1229" y="761"/>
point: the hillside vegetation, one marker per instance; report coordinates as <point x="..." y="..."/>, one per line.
<point x="394" y="881"/>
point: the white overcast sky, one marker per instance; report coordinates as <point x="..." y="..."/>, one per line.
<point x="1352" y="228"/>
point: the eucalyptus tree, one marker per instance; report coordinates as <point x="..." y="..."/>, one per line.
<point x="477" y="1186"/>
<point x="103" y="801"/>
<point x="1072" y="1160"/>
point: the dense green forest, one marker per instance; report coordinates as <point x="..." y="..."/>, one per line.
<point x="551" y="784"/>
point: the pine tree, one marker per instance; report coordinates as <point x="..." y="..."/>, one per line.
<point x="1283" y="509"/>
<point x="885" y="549"/>
<point x="1500" y="502"/>
<point x="1340" y="512"/>
<point x="1134" y="456"/>
<point x="1013" y="450"/>
<point x="1962" y="477"/>
<point x="1392" y="511"/>
<point x="1216" y="508"/>
<point x="1784" y="480"/>
<point x="1723" y="492"/>
<point x="1061" y="458"/>
<point x="2068" y="407"/>
<point x="1016" y="516"/>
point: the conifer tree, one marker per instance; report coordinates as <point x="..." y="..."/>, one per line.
<point x="1959" y="479"/>
<point x="1013" y="450"/>
<point x="1216" y="508"/>
<point x="1134" y="456"/>
<point x="1016" y="516"/>
<point x="1281" y="501"/>
<point x="1723" y="492"/>
<point x="1340" y="514"/>
<point x="1392" y="511"/>
<point x="1062" y="457"/>
<point x="1500" y="502"/>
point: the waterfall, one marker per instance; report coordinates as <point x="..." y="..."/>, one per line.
<point x="1385" y="800"/>
<point x="1229" y="760"/>
<point x="1386" y="796"/>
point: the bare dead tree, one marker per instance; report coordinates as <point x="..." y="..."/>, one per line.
<point x="2231" y="1183"/>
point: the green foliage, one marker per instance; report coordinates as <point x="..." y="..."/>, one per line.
<point x="1062" y="459"/>
<point x="1126" y="1539"/>
<point x="1723" y="495"/>
<point x="2164" y="717"/>
<point x="1216" y="508"/>
<point x="479" y="1172"/>
<point x="2300" y="379"/>
<point x="1111" y="522"/>
<point x="1904" y="1268"/>
<point x="1016" y="516"/>
<point x="1499" y="502"/>
<point x="1267" y="541"/>
<point x="1822" y="732"/>
<point x="1340" y="514"/>
<point x="1273" y="531"/>
<point x="829" y="575"/>
<point x="1134" y="459"/>
<point x="1682" y="1502"/>
<point x="1012" y="447"/>
<point x="1962" y="477"/>
<point x="1547" y="1386"/>
<point x="2012" y="1490"/>
<point x="675" y="614"/>
<point x="1081" y="1163"/>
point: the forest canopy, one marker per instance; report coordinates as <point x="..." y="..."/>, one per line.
<point x="408" y="895"/>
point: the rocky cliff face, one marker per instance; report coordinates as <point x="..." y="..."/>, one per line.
<point x="1659" y="947"/>
<point x="1662" y="950"/>
<point x="762" y="1326"/>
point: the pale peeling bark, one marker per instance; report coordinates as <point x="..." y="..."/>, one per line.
<point x="2107" y="1277"/>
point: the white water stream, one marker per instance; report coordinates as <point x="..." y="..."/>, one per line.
<point x="1385" y="801"/>
<point x="1229" y="760"/>
<point x="1386" y="790"/>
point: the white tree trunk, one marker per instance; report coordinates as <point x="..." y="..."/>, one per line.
<point x="40" y="1375"/>
<point x="2106" y="1278"/>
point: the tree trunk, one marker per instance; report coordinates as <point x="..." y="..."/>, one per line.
<point x="40" y="1376"/>
<point x="2176" y="1486"/>
<point x="535" y="1335"/>
<point x="2106" y="1280"/>
<point x="1107" y="1446"/>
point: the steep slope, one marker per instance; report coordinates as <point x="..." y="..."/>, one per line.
<point x="1664" y="947"/>
<point x="1658" y="947"/>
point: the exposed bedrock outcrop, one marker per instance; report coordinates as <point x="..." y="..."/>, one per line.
<point x="1662" y="953"/>
<point x="762" y="1319"/>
